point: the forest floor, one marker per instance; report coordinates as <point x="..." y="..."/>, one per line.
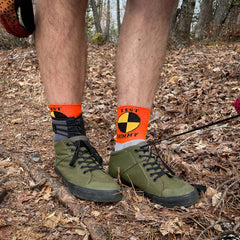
<point x="198" y="86"/>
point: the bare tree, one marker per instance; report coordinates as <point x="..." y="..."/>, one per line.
<point x="108" y="20"/>
<point x="205" y="18"/>
<point x="99" y="4"/>
<point x="96" y="16"/>
<point x="118" y="17"/>
<point x="227" y="19"/>
<point x="183" y="23"/>
<point x="221" y="11"/>
<point x="233" y="17"/>
<point x="173" y="24"/>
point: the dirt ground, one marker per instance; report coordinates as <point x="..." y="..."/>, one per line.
<point x="197" y="87"/>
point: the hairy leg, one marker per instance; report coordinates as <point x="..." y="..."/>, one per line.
<point x="61" y="48"/>
<point x="141" y="50"/>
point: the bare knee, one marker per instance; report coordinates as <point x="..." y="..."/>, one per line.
<point x="153" y="8"/>
<point x="61" y="12"/>
<point x="69" y="7"/>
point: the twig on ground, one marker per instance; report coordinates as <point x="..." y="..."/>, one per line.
<point x="198" y="223"/>
<point x="39" y="184"/>
<point x="236" y="227"/>
<point x="213" y="224"/>
<point x="221" y="210"/>
<point x="134" y="190"/>
<point x="71" y="227"/>
<point x="226" y="182"/>
<point x="224" y="194"/>
<point x="197" y="133"/>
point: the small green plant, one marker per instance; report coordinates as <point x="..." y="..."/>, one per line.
<point x="98" y="38"/>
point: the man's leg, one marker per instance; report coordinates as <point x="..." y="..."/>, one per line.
<point x="61" y="47"/>
<point x="141" y="53"/>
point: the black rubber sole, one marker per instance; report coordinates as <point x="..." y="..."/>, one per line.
<point x="170" y="202"/>
<point x="92" y="194"/>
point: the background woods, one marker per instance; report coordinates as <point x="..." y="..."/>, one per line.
<point x="192" y="20"/>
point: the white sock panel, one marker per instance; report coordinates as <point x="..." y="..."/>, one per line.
<point x="120" y="146"/>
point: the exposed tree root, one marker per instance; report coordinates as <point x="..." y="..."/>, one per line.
<point x="60" y="192"/>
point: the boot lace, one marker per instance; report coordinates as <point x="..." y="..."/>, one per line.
<point x="85" y="155"/>
<point x="153" y="162"/>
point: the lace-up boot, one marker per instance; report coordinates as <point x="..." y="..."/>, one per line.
<point x="80" y="165"/>
<point x="138" y="166"/>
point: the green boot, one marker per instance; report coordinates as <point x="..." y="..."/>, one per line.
<point x="79" y="164"/>
<point x="139" y="167"/>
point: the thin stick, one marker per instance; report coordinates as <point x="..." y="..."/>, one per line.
<point x="213" y="224"/>
<point x="71" y="227"/>
<point x="224" y="194"/>
<point x="221" y="210"/>
<point x="236" y="227"/>
<point x="198" y="128"/>
<point x="197" y="134"/>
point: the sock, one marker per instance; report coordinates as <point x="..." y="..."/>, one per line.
<point x="132" y="123"/>
<point x="67" y="121"/>
<point x="65" y="110"/>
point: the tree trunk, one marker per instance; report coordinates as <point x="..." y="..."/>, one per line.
<point x="227" y="20"/>
<point x="96" y="17"/>
<point x="173" y="23"/>
<point x="118" y="17"/>
<point x="100" y="9"/>
<point x="231" y="25"/>
<point x="221" y="11"/>
<point x="184" y="22"/>
<point x="205" y="18"/>
<point x="106" y="32"/>
<point x="233" y="17"/>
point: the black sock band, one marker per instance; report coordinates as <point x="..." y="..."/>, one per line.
<point x="67" y="128"/>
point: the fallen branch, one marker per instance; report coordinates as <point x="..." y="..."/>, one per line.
<point x="60" y="192"/>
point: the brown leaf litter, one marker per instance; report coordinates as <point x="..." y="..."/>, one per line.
<point x="197" y="87"/>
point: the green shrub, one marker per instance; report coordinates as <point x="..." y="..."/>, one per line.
<point x="98" y="38"/>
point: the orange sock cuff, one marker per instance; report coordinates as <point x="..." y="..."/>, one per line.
<point x="132" y="123"/>
<point x="65" y="110"/>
